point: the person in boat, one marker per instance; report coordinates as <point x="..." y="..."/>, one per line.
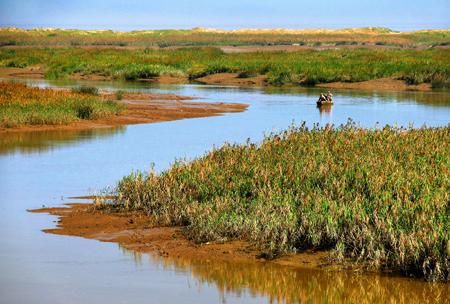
<point x="329" y="97"/>
<point x="322" y="97"/>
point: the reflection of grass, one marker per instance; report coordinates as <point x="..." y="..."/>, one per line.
<point x="22" y="105"/>
<point x="282" y="284"/>
<point x="30" y="142"/>
<point x="201" y="37"/>
<point x="307" y="67"/>
<point x="379" y="196"/>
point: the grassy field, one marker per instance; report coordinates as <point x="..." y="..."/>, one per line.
<point x="209" y="37"/>
<point x="23" y="105"/>
<point x="380" y="197"/>
<point x="306" y="67"/>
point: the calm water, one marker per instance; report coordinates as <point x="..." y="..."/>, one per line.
<point x="45" y="168"/>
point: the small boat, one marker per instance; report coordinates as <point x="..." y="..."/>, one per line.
<point x="324" y="102"/>
<point x="325" y="99"/>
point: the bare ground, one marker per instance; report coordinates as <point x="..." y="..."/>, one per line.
<point x="136" y="232"/>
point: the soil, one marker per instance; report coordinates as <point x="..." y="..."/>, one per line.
<point x="233" y="79"/>
<point x="30" y="72"/>
<point x="164" y="79"/>
<point x="382" y="84"/>
<point x="137" y="232"/>
<point x="143" y="108"/>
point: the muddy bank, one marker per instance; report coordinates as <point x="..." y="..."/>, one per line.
<point x="233" y="79"/>
<point x="30" y="72"/>
<point x="136" y="232"/>
<point x="143" y="108"/>
<point x="163" y="79"/>
<point x="382" y="84"/>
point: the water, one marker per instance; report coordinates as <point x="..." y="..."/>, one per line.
<point x="45" y="168"/>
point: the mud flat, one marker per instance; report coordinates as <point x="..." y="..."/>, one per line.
<point x="233" y="79"/>
<point x="136" y="231"/>
<point x="382" y="84"/>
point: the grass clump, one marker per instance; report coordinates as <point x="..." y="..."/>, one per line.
<point x="85" y="90"/>
<point x="377" y="196"/>
<point x="23" y="105"/>
<point x="120" y="94"/>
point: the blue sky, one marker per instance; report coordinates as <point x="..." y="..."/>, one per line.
<point x="227" y="14"/>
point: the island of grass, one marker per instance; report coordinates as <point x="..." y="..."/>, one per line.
<point x="378" y="197"/>
<point x="408" y="67"/>
<point x="25" y="108"/>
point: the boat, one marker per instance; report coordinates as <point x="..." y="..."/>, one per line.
<point x="324" y="102"/>
<point x="325" y="99"/>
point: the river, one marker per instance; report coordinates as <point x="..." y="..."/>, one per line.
<point x="46" y="168"/>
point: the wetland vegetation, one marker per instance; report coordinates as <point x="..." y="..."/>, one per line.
<point x="379" y="197"/>
<point x="24" y="105"/>
<point x="303" y="67"/>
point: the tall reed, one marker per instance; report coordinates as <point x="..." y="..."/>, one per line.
<point x="380" y="197"/>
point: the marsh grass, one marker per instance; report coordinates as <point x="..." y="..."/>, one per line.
<point x="23" y="105"/>
<point x="380" y="197"/>
<point x="305" y="67"/>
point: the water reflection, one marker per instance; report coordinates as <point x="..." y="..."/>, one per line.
<point x="41" y="141"/>
<point x="325" y="110"/>
<point x="283" y="284"/>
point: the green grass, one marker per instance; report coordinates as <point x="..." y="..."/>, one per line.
<point x="306" y="67"/>
<point x="22" y="105"/>
<point x="380" y="197"/>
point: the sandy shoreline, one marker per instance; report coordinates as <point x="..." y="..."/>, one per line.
<point x="136" y="232"/>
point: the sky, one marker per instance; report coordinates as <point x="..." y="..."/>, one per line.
<point x="403" y="15"/>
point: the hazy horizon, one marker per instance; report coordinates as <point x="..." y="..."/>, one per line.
<point x="399" y="15"/>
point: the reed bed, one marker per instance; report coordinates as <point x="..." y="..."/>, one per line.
<point x="380" y="197"/>
<point x="24" y="105"/>
<point x="305" y="67"/>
